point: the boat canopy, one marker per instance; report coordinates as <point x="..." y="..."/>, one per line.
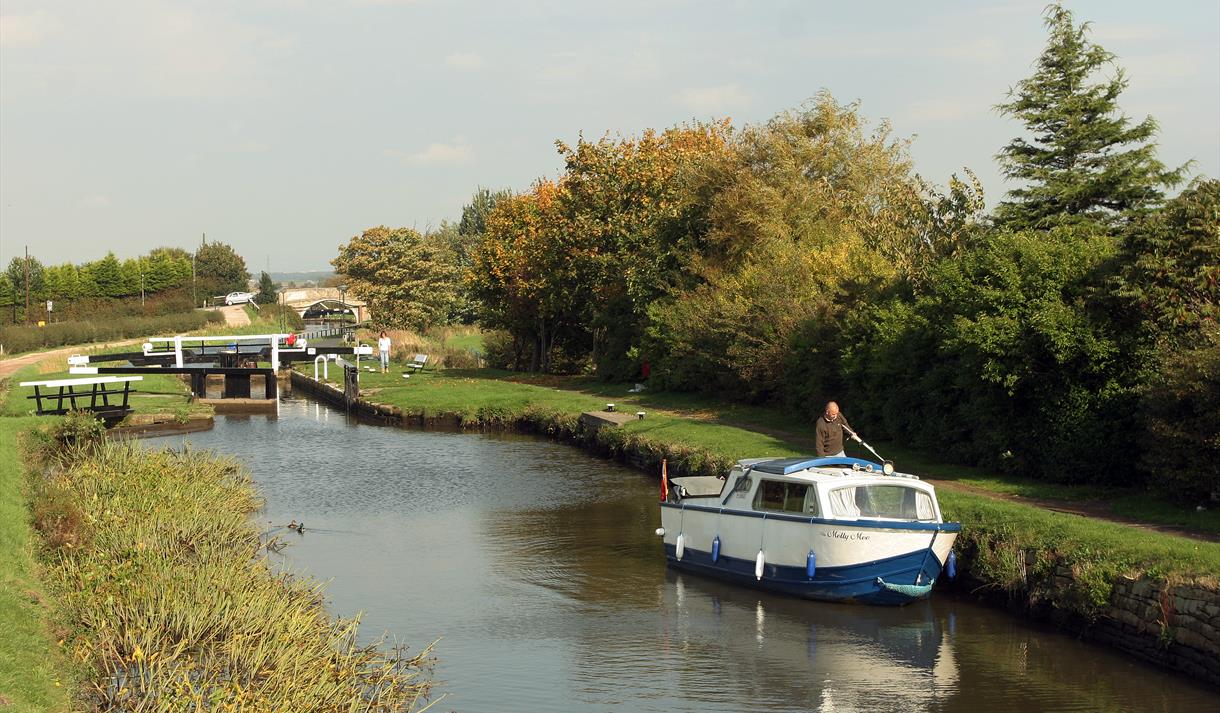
<point x="787" y="466"/>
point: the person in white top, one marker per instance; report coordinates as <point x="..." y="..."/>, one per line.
<point x="383" y="346"/>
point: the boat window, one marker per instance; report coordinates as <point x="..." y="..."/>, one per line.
<point x="895" y="502"/>
<point x="783" y="496"/>
<point x="742" y="486"/>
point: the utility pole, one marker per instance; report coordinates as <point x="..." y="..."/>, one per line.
<point x="194" y="290"/>
<point x="27" y="284"/>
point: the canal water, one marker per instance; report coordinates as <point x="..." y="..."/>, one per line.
<point x="534" y="568"/>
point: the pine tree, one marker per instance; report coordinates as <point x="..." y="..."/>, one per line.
<point x="1086" y="163"/>
<point x="268" y="291"/>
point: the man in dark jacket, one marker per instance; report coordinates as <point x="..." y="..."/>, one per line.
<point x="830" y="430"/>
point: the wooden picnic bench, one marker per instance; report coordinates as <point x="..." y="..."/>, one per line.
<point x="72" y="391"/>
<point x="418" y="363"/>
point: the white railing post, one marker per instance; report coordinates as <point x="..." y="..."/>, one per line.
<point x="178" y="351"/>
<point x="275" y="352"/>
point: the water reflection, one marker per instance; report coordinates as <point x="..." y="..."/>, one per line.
<point x="537" y="569"/>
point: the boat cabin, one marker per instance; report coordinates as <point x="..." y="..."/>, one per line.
<point x="822" y="488"/>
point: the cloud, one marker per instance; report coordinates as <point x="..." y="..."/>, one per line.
<point x="95" y="201"/>
<point x="148" y="48"/>
<point x="451" y="154"/>
<point x="464" y="60"/>
<point x="27" y="30"/>
<point x="713" y="100"/>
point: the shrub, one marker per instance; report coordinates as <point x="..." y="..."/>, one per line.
<point x="1181" y="416"/>
<point x="1003" y="362"/>
<point x="58" y="518"/>
<point x="66" y="439"/>
<point x="501" y="350"/>
<point x="24" y="338"/>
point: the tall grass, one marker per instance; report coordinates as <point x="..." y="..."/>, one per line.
<point x="172" y="606"/>
<point x="451" y="347"/>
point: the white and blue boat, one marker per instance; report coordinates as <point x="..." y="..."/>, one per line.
<point x="835" y="529"/>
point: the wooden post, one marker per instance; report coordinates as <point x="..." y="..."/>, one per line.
<point x="351" y="386"/>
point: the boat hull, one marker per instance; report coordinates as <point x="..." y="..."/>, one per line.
<point x="852" y="583"/>
<point x="888" y="563"/>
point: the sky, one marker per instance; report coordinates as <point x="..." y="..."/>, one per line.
<point x="285" y="127"/>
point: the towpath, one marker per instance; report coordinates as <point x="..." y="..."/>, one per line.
<point x="12" y="364"/>
<point x="235" y="315"/>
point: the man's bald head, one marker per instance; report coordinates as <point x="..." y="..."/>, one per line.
<point x="832" y="411"/>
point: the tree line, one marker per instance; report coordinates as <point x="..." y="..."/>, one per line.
<point x="1070" y="333"/>
<point x="173" y="278"/>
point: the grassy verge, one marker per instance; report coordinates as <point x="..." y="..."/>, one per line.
<point x="155" y="394"/>
<point x="33" y="675"/>
<point x="686" y="417"/>
<point x="156" y="563"/>
<point x="700" y="436"/>
<point x="1015" y="549"/>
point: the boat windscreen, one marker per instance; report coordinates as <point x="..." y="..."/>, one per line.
<point x="699" y="486"/>
<point x="891" y="502"/>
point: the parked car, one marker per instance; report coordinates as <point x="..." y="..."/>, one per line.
<point x="239" y="298"/>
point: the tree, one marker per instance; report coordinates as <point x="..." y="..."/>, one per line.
<point x="107" y="277"/>
<point x="219" y="269"/>
<point x="1003" y="361"/>
<point x="268" y="291"/>
<point x="17" y="272"/>
<point x="1086" y="161"/>
<point x="409" y="280"/>
<point x="1181" y="415"/>
<point x="474" y="213"/>
<point x="619" y="203"/>
<point x="803" y="217"/>
<point x="518" y="273"/>
<point x="1170" y="267"/>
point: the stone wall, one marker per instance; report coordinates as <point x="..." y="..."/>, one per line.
<point x="1177" y="626"/>
<point x="1174" y="625"/>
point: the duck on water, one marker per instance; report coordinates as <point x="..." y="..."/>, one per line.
<point x="834" y="528"/>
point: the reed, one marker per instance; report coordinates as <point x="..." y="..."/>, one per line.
<point x="451" y="347"/>
<point x="173" y="605"/>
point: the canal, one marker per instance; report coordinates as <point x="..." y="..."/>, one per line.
<point x="534" y="568"/>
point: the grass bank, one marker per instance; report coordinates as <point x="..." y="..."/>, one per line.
<point x="170" y="602"/>
<point x="700" y="436"/>
<point x="155" y="394"/>
<point x="33" y="674"/>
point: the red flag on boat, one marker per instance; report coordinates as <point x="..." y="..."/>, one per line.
<point x="664" y="481"/>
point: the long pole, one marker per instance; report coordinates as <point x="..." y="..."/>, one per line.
<point x="27" y="284"/>
<point x="194" y="292"/>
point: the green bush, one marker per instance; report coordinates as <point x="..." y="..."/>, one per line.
<point x="23" y="338"/>
<point x="1181" y="416"/>
<point x="277" y="313"/>
<point x="1003" y="362"/>
<point x="500" y="350"/>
